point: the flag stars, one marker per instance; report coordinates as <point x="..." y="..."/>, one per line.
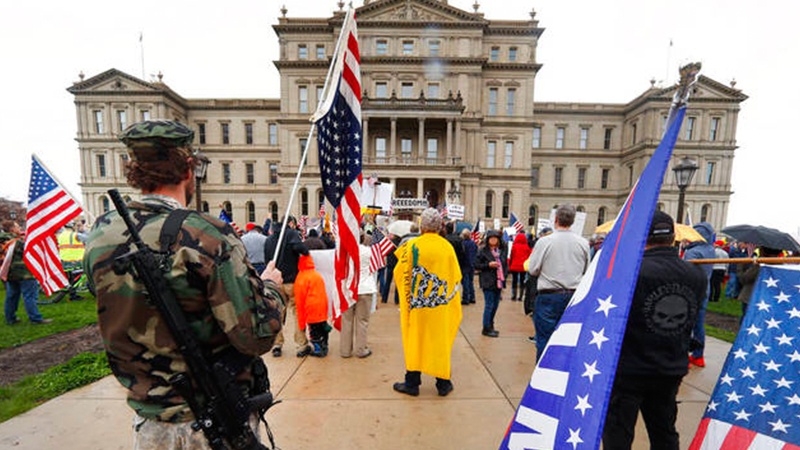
<point x="778" y="425"/>
<point x="758" y="390"/>
<point x="753" y="329"/>
<point x="583" y="404"/>
<point x="748" y="373"/>
<point x="772" y="365"/>
<point x="712" y="405"/>
<point x="742" y="415"/>
<point x="782" y="297"/>
<point x="767" y="407"/>
<point x="574" y="438"/>
<point x="793" y="400"/>
<point x="772" y="323"/>
<point x="771" y="282"/>
<point x="794" y="356"/>
<point x="794" y="313"/>
<point x="598" y="337"/>
<point x="605" y="305"/>
<point x="784" y="339"/>
<point x="783" y="382"/>
<point x="591" y="371"/>
<point x="761" y="348"/>
<point x="739" y="354"/>
<point x="733" y="397"/>
<point x="726" y="379"/>
<point x="763" y="306"/>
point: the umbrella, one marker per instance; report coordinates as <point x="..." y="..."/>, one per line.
<point x="762" y="237"/>
<point x="400" y="227"/>
<point x="682" y="232"/>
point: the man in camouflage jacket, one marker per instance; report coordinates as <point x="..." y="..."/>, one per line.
<point x="230" y="309"/>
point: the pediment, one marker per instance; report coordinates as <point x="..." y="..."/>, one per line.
<point x="709" y="89"/>
<point x="112" y="80"/>
<point x="427" y="11"/>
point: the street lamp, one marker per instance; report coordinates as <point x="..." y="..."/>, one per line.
<point x="200" y="168"/>
<point x="684" y="171"/>
<point x="454" y="195"/>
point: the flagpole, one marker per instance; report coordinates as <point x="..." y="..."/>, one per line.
<point x="310" y="135"/>
<point x="63" y="186"/>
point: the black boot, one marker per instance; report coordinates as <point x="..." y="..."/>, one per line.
<point x="490" y="332"/>
<point x="411" y="384"/>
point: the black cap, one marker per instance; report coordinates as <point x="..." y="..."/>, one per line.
<point x="662" y="224"/>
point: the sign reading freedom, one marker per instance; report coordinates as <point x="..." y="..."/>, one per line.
<point x="409" y="203"/>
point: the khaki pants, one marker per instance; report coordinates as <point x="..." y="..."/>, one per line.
<point x="355" y="321"/>
<point x="299" y="336"/>
<point x="155" y="435"/>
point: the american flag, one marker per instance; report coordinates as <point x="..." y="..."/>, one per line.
<point x="565" y="403"/>
<point x="302" y="224"/>
<point x="322" y="210"/>
<point x="50" y="207"/>
<point x="514" y="222"/>
<point x="476" y="234"/>
<point x="225" y="217"/>
<point x="755" y="403"/>
<point x="338" y="122"/>
<point x="381" y="246"/>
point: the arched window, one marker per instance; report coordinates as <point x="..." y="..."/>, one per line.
<point x="506" y="204"/>
<point x="532" y="215"/>
<point x="251" y="211"/>
<point x="104" y="205"/>
<point x="489" y="200"/>
<point x="204" y="206"/>
<point x="273" y="211"/>
<point x="226" y="205"/>
<point x="601" y="215"/>
<point x="705" y="213"/>
<point x="580" y="208"/>
<point x="320" y="198"/>
<point x="303" y="202"/>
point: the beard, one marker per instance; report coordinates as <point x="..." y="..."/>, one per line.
<point x="188" y="191"/>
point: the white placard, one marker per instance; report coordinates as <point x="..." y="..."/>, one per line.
<point x="542" y="224"/>
<point x="455" y="211"/>
<point x="481" y="227"/>
<point x="379" y="195"/>
<point x="497" y="225"/>
<point x="577" y="226"/>
<point x="399" y="204"/>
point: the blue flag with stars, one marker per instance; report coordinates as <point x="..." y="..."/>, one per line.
<point x="565" y="403"/>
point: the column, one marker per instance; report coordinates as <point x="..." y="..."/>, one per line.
<point x="420" y="188"/>
<point x="365" y="154"/>
<point x="458" y="150"/>
<point x="446" y="190"/>
<point x="421" y="140"/>
<point x="449" y="143"/>
<point x="392" y="153"/>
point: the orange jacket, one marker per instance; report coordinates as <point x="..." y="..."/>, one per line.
<point x="309" y="294"/>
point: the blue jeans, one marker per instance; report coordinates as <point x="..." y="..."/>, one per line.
<point x="699" y="330"/>
<point x="491" y="298"/>
<point x="548" y="311"/>
<point x="732" y="288"/>
<point x="468" y="296"/>
<point x="29" y="289"/>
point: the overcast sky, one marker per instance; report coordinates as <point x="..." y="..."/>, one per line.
<point x="592" y="51"/>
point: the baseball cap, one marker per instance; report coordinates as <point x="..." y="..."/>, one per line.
<point x="662" y="224"/>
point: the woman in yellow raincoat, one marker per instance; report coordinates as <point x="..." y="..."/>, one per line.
<point x="429" y="285"/>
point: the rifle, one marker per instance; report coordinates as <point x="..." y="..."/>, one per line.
<point x="221" y="410"/>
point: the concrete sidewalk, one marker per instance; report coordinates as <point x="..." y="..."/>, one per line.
<point x="349" y="403"/>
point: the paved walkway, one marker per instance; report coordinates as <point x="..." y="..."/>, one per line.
<point x="349" y="403"/>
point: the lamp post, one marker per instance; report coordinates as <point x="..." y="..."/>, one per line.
<point x="684" y="171"/>
<point x="199" y="174"/>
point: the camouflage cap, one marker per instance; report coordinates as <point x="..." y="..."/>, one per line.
<point x="157" y="135"/>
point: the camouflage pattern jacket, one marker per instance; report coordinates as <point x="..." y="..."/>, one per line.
<point x="226" y="303"/>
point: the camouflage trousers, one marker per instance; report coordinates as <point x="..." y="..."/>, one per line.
<point x="156" y="435"/>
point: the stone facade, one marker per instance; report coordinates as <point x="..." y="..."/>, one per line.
<point x="447" y="106"/>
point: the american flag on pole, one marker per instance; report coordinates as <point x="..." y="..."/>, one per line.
<point x="476" y="233"/>
<point x="381" y="246"/>
<point x="514" y="222"/>
<point x="755" y="403"/>
<point x="565" y="403"/>
<point x="225" y="217"/>
<point x="50" y="207"/>
<point x="338" y="122"/>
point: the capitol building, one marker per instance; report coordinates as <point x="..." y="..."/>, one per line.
<point x="449" y="114"/>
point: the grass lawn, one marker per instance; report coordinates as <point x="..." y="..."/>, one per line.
<point x="66" y="316"/>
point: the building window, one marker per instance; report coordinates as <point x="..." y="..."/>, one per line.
<point x="491" y="153"/>
<point x="122" y="119"/>
<point x="433" y="150"/>
<point x="406" y="150"/>
<point x="250" y="173"/>
<point x="494" y="54"/>
<point x="512" y="54"/>
<point x="123" y="161"/>
<point x="434" y="46"/>
<point x="381" y="47"/>
<point x="492" y="101"/>
<point x="104" y="204"/>
<point x="604" y="178"/>
<point x="226" y="137"/>
<point x="319" y="93"/>
<point x="406" y="90"/>
<point x="380" y="150"/>
<point x="630" y="175"/>
<point x="607" y="139"/>
<point x="433" y="90"/>
<point x="601" y="215"/>
<point x="690" y="122"/>
<point x="712" y="135"/>
<point x="303" y="94"/>
<point x="98" y="122"/>
<point x="303" y="202"/>
<point x="510" y="100"/>
<point x="226" y="205"/>
<point x="488" y="208"/>
<point x="101" y="166"/>
<point x="710" y="172"/>
<point x="201" y="133"/>
<point x="320" y="51"/>
<point x="408" y="48"/>
<point x="509" y="156"/>
<point x="633" y="134"/>
<point x="506" y="204"/>
<point x="226" y="173"/>
<point x="251" y="211"/>
<point x="582" y="178"/>
<point x="560" y="137"/>
<point x="381" y="90"/>
<point x="273" y="211"/>
<point x="536" y="142"/>
<point x="248" y="133"/>
<point x="559" y="174"/>
<point x="705" y="213"/>
<point x="273" y="173"/>
<point x="584" y="138"/>
<point x="532" y="215"/>
<point x="302" y="51"/>
<point x="534" y="177"/>
<point x="273" y="134"/>
<point x="145" y="114"/>
<point x="204" y="206"/>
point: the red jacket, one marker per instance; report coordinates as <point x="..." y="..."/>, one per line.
<point x="520" y="252"/>
<point x="309" y="293"/>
